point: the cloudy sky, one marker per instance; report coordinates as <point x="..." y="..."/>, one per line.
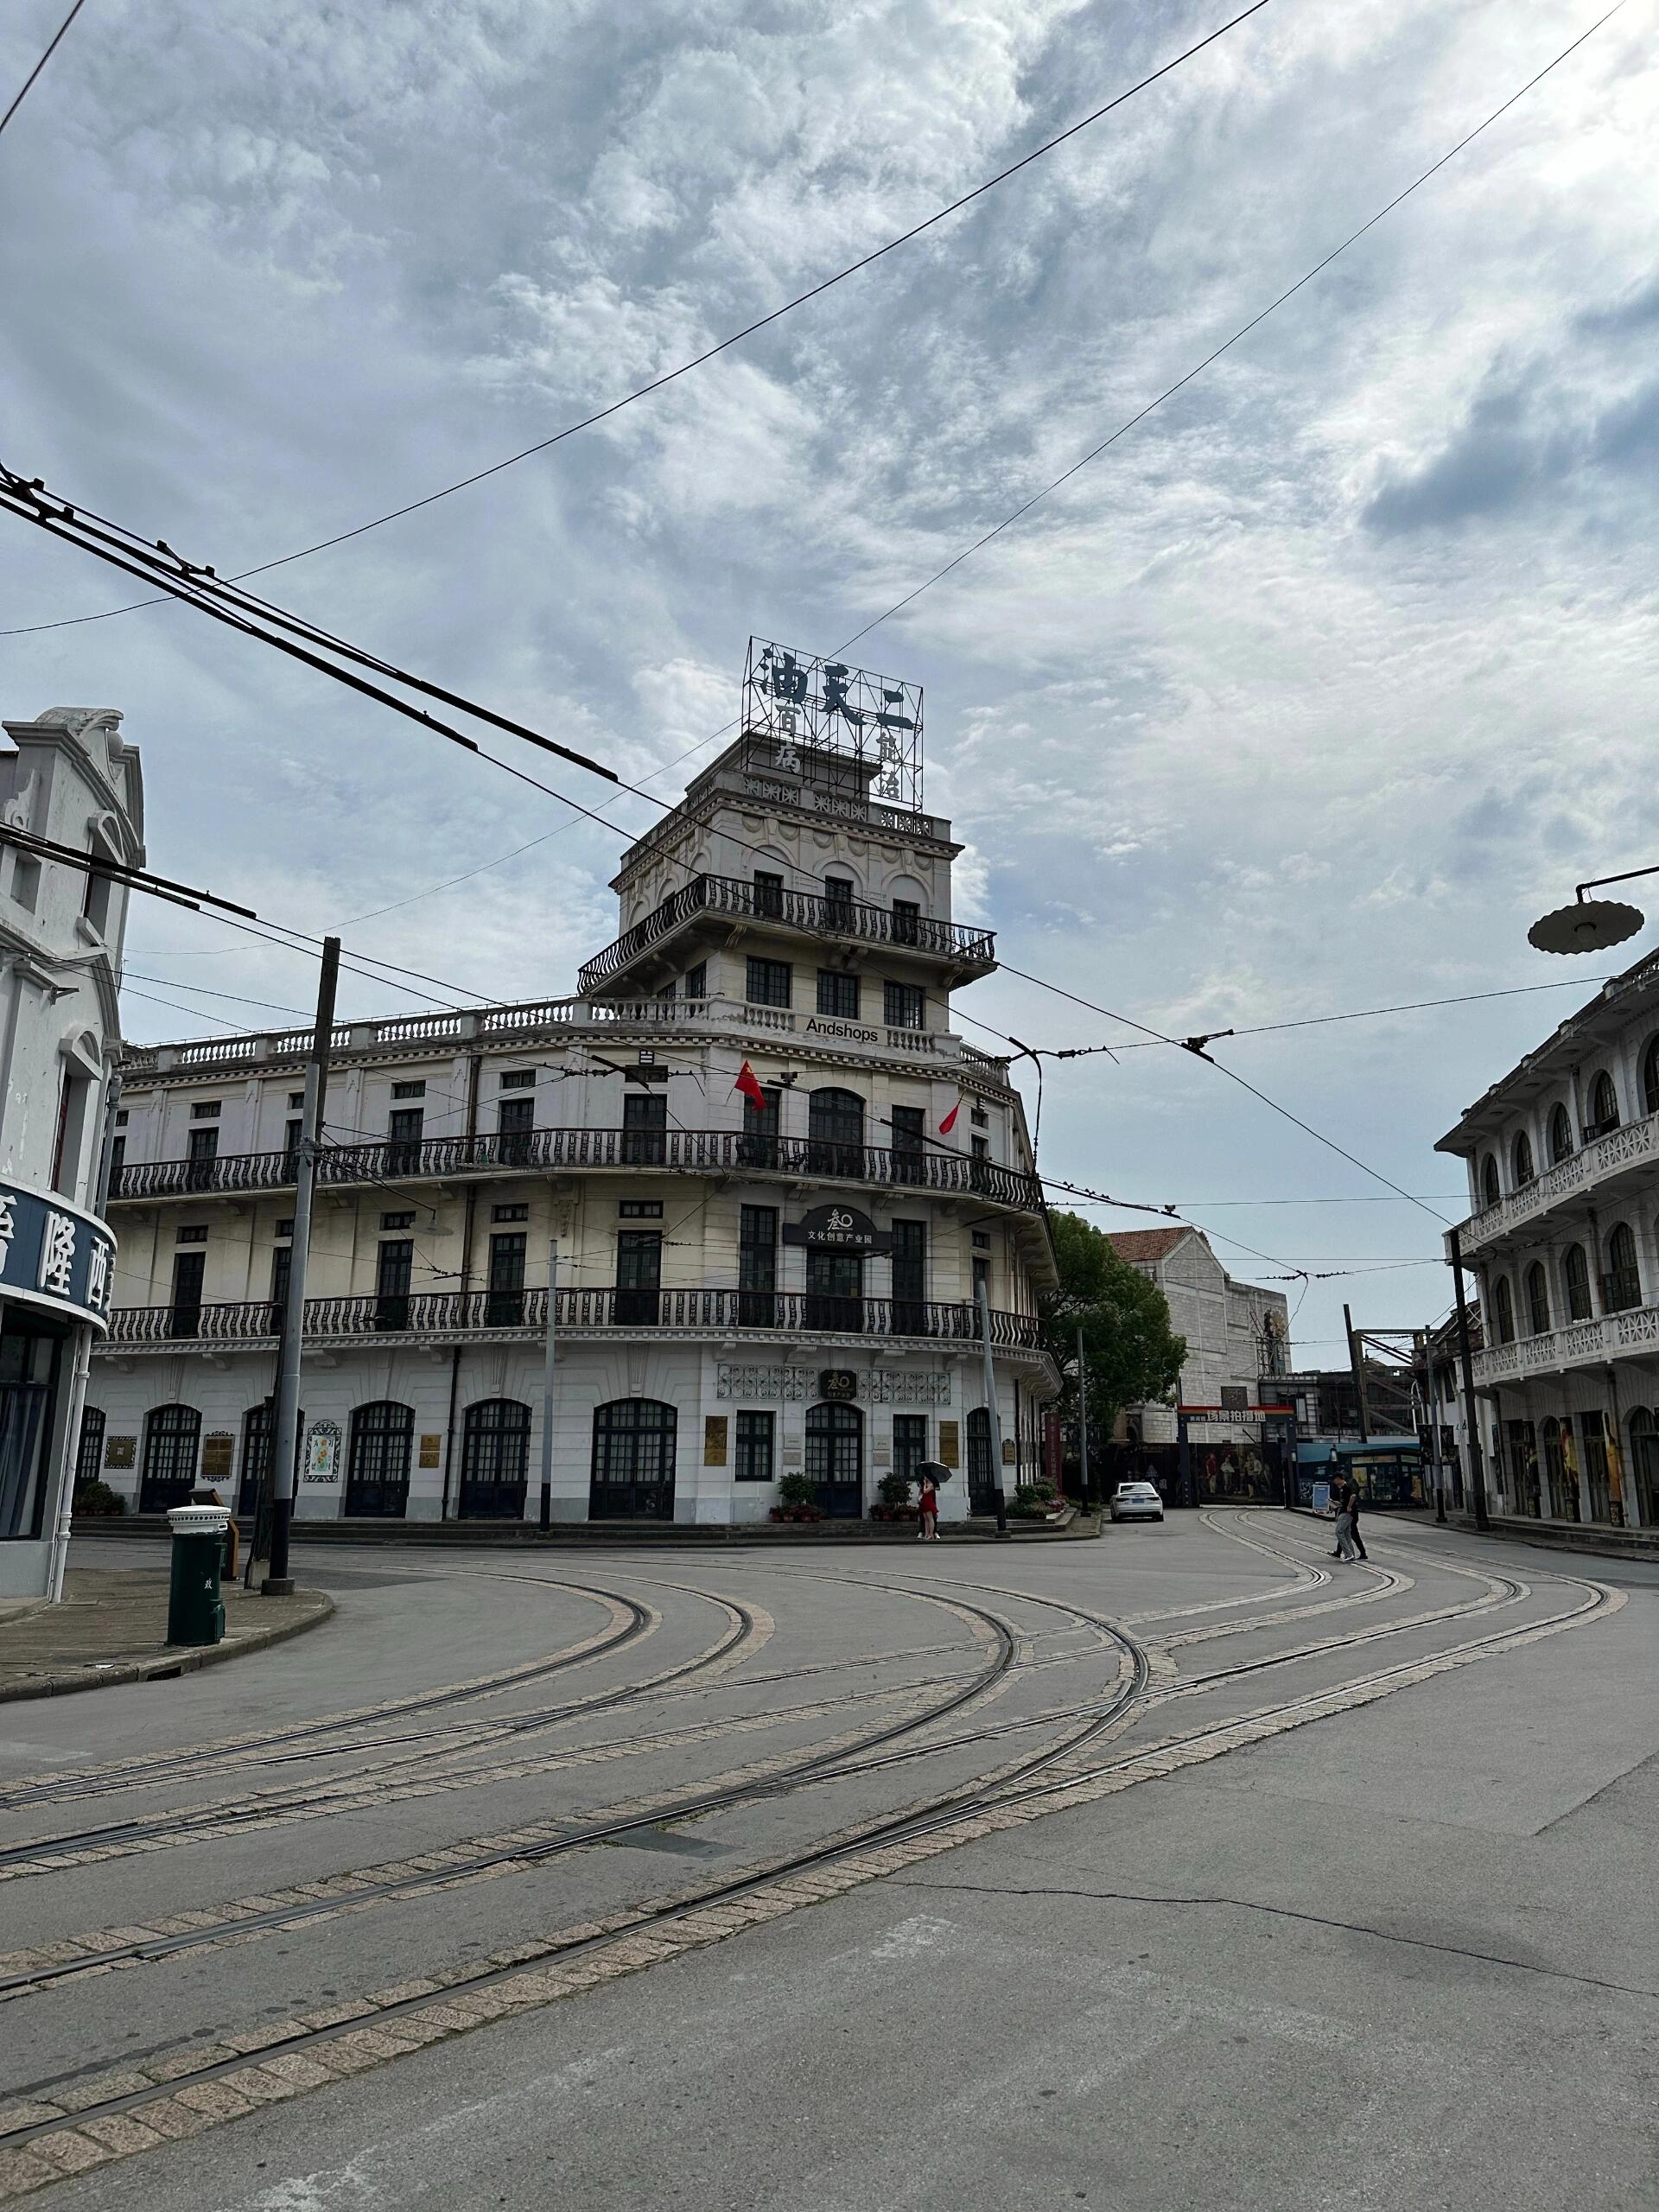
<point x="1304" y="697"/>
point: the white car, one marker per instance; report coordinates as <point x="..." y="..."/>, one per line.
<point x="1136" y="1501"/>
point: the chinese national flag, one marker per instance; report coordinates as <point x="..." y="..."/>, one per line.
<point x="749" y="1083"/>
<point x="949" y="1120"/>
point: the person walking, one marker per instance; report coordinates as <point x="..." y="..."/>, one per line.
<point x="1344" y="1522"/>
<point x="1354" y="1538"/>
<point x="927" y="1505"/>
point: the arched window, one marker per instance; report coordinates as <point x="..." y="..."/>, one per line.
<point x="981" y="1476"/>
<point x="89" y="1449"/>
<point x="1604" y="1105"/>
<point x="1576" y="1270"/>
<point x="1521" y="1160"/>
<point x="494" y="1460"/>
<point x="1489" y="1189"/>
<point x="1504" y="1305"/>
<point x="632" y="1476"/>
<point x="1623" y="1288"/>
<point x="1650" y="1083"/>
<point x="172" y="1434"/>
<point x="1561" y="1135"/>
<point x="377" y="1469"/>
<point x="835" y="1458"/>
<point x="1537" y="1299"/>
<point x="835" y="1128"/>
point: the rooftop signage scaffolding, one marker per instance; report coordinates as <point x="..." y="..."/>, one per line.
<point x="843" y="728"/>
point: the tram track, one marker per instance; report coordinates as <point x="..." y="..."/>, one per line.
<point x="538" y="1973"/>
<point x="636" y="1621"/>
<point x="820" y="1763"/>
<point x="843" y="1762"/>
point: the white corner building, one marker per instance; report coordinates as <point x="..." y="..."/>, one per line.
<point x="67" y="776"/>
<point x="745" y="1289"/>
<point x="1562" y="1158"/>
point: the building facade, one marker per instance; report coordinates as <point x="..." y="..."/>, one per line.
<point x="67" y="777"/>
<point x="744" y="1286"/>
<point x="1562" y="1160"/>
<point x="1237" y="1347"/>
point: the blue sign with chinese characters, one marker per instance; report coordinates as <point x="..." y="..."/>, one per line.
<point x="53" y="1254"/>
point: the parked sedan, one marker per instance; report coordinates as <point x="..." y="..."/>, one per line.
<point x="1136" y="1501"/>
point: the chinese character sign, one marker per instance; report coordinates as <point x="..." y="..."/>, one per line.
<point x="868" y="727"/>
<point x="52" y="1255"/>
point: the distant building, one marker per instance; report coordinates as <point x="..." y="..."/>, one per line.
<point x="68" y="777"/>
<point x="1562" y="1158"/>
<point x="1237" y="1346"/>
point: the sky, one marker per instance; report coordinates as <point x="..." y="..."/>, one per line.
<point x="1307" y="696"/>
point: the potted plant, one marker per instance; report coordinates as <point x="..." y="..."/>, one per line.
<point x="797" y="1497"/>
<point x="895" y="1505"/>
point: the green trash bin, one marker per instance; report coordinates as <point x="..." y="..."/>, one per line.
<point x="196" y="1611"/>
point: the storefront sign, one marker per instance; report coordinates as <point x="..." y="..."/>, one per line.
<point x="877" y="1386"/>
<point x="950" y="1447"/>
<point x="431" y="1454"/>
<point x="217" y="1453"/>
<point x="802" y="703"/>
<point x="837" y="1384"/>
<point x="54" y="1255"/>
<point x="838" y="1228"/>
<point x="1234" y="1397"/>
<point x="322" y="1452"/>
<point x="713" y="1440"/>
<point x="120" y="1451"/>
<point x="849" y="1032"/>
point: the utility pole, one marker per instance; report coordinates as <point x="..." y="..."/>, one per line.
<point x="278" y="1583"/>
<point x="1477" y="1478"/>
<point x="1357" y="1364"/>
<point x="1083" y="1418"/>
<point x="994" y="1420"/>
<point x="549" y="1362"/>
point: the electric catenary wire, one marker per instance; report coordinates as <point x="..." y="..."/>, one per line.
<point x="52" y="48"/>
<point x="1093" y="454"/>
<point x="684" y="368"/>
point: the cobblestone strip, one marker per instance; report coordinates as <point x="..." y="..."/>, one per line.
<point x="185" y="2092"/>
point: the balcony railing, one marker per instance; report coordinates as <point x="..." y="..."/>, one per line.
<point x="453" y="1313"/>
<point x="680" y="1151"/>
<point x="1580" y="1344"/>
<point x="735" y="896"/>
<point x="1630" y="1144"/>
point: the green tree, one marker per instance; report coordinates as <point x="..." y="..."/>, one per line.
<point x="1133" y="1358"/>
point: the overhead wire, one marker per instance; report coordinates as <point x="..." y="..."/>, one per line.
<point x="218" y="603"/>
<point x="684" y="368"/>
<point x="51" y="47"/>
<point x="1195" y="1046"/>
<point x="1094" y="452"/>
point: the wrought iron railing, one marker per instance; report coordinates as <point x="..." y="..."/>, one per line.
<point x="742" y="901"/>
<point x="448" y="1313"/>
<point x="686" y="1152"/>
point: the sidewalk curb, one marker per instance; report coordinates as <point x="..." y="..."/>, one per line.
<point x="575" y="1536"/>
<point x="171" y="1661"/>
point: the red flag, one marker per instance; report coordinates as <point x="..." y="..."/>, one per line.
<point x="949" y="1120"/>
<point x="749" y="1083"/>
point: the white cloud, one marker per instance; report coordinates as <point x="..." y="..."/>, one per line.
<point x="1301" y="698"/>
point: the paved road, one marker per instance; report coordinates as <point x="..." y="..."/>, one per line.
<point x="1184" y="1869"/>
